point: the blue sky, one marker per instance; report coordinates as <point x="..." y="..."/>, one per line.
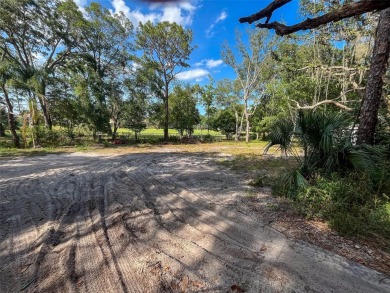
<point x="212" y="22"/>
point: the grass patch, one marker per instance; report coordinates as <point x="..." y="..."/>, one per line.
<point x="351" y="205"/>
<point x="12" y="152"/>
<point x="160" y="132"/>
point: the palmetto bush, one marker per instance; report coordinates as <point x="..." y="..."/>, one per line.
<point x="343" y="183"/>
<point x="325" y="139"/>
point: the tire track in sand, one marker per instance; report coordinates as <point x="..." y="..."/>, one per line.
<point x="160" y="222"/>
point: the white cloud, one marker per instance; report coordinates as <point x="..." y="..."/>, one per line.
<point x="221" y="17"/>
<point x="197" y="74"/>
<point x="182" y="13"/>
<point x="209" y="63"/>
<point x="210" y="30"/>
<point x="135" y="16"/>
<point x="213" y="63"/>
<point x="81" y="4"/>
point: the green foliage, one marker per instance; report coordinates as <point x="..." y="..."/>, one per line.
<point x="166" y="47"/>
<point x="184" y="114"/>
<point x="336" y="180"/>
<point x="134" y="113"/>
<point x="326" y="142"/>
<point x="249" y="66"/>
<point x="281" y="134"/>
<point x="352" y="204"/>
<point x="225" y="122"/>
<point x="208" y="138"/>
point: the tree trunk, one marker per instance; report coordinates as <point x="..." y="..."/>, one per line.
<point x="208" y="120"/>
<point x="2" y="130"/>
<point x="240" y="129"/>
<point x="166" y="122"/>
<point x="113" y="136"/>
<point x="116" y="126"/>
<point x="45" y="107"/>
<point x="247" y="121"/>
<point x="33" y="120"/>
<point x="368" y="117"/>
<point x="11" y="118"/>
<point x="237" y="122"/>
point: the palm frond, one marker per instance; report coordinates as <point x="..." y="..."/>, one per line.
<point x="281" y="134"/>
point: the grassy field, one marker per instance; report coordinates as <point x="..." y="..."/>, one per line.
<point x="155" y="131"/>
<point x="235" y="148"/>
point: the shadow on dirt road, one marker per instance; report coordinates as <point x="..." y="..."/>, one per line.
<point x="157" y="222"/>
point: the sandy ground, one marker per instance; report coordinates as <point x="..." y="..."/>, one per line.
<point x="157" y="222"/>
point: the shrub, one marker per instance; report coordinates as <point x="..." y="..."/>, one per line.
<point x="208" y="138"/>
<point x="351" y="204"/>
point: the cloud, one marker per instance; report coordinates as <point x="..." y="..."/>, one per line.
<point x="135" y="16"/>
<point x="81" y="4"/>
<point x="182" y="13"/>
<point x="213" y="63"/>
<point x="210" y="30"/>
<point x="209" y="63"/>
<point x="197" y="74"/>
<point x="177" y="14"/>
<point x="221" y="17"/>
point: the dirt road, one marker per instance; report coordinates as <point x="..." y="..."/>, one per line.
<point x="157" y="222"/>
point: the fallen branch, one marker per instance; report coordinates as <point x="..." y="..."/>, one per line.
<point x="337" y="104"/>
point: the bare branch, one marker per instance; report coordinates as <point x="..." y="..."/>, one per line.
<point x="266" y="12"/>
<point x="345" y="11"/>
<point x="324" y="102"/>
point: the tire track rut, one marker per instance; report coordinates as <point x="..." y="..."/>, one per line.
<point x="159" y="222"/>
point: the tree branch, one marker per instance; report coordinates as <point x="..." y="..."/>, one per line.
<point x="322" y="103"/>
<point x="345" y="11"/>
<point x="266" y="12"/>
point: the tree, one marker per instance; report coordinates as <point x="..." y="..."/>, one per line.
<point x="134" y="113"/>
<point x="116" y="104"/>
<point x="228" y="97"/>
<point x="100" y="64"/>
<point x="166" y="47"/>
<point x="207" y="97"/>
<point x="380" y="55"/>
<point x="136" y="107"/>
<point x="225" y="122"/>
<point x="6" y="74"/>
<point x="249" y="68"/>
<point x="184" y="114"/>
<point x="3" y="121"/>
<point x="368" y="117"/>
<point x="41" y="40"/>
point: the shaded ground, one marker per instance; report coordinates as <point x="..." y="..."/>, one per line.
<point x="157" y="222"/>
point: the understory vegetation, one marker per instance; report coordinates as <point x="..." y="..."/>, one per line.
<point x="335" y="179"/>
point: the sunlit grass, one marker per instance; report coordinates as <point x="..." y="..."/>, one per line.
<point x="155" y="131"/>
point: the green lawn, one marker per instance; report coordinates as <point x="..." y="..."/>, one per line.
<point x="155" y="131"/>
